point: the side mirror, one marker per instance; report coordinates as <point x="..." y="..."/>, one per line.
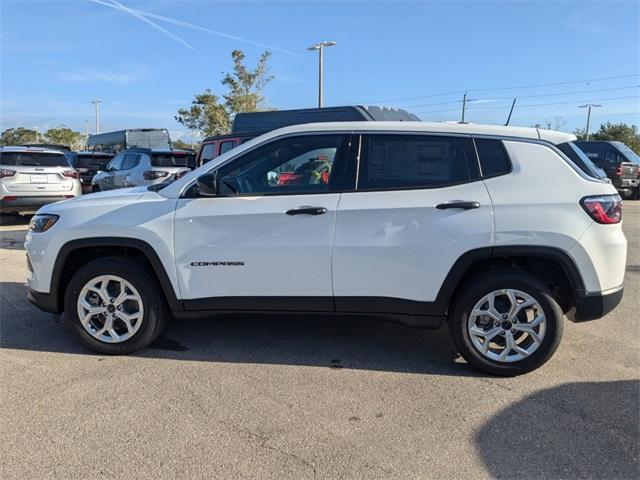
<point x="208" y="184"/>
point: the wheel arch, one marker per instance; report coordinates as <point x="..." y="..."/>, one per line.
<point x="87" y="249"/>
<point x="547" y="263"/>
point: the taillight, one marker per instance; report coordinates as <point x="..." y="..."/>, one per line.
<point x="5" y="172"/>
<point x="71" y="174"/>
<point x="619" y="172"/>
<point x="154" y="174"/>
<point x="606" y="209"/>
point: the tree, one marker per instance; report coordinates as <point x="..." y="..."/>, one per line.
<point x="18" y="136"/>
<point x="213" y="115"/>
<point x="620" y="132"/>
<point x="180" y="144"/>
<point x="206" y="114"/>
<point x="62" y="135"/>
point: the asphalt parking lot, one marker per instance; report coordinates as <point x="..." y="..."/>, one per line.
<point x="296" y="397"/>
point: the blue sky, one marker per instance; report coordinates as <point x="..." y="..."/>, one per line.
<point x="146" y="63"/>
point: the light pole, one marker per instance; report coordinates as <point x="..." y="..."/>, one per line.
<point x="589" y="106"/>
<point x="320" y="47"/>
<point x="96" y="102"/>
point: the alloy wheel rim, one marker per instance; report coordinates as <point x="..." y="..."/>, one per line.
<point x="110" y="309"/>
<point x="507" y="325"/>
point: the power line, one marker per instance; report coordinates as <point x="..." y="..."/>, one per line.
<point x="554" y="84"/>
<point x="451" y="102"/>
<point x="534" y="104"/>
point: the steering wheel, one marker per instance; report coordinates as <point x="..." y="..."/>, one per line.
<point x="248" y="184"/>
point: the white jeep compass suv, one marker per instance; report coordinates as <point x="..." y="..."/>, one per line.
<point x="500" y="231"/>
<point x="31" y="177"/>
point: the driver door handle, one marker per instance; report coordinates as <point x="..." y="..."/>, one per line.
<point x="306" y="211"/>
<point x="458" y="204"/>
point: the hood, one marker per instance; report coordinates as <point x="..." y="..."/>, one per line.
<point x="110" y="198"/>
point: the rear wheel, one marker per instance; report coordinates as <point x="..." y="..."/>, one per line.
<point x="506" y="323"/>
<point x="95" y="188"/>
<point x="114" y="305"/>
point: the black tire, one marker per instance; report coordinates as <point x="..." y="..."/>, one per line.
<point x="484" y="284"/>
<point x="95" y="188"/>
<point x="156" y="311"/>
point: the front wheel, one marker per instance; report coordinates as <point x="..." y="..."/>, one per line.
<point x="114" y="305"/>
<point x="506" y="323"/>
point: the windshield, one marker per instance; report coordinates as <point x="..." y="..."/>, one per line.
<point x="627" y="152"/>
<point x="583" y="162"/>
<point x="33" y="159"/>
<point x="173" y="160"/>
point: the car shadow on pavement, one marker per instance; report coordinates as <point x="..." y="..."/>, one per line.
<point x="324" y="341"/>
<point x="577" y="430"/>
<point x="12" y="239"/>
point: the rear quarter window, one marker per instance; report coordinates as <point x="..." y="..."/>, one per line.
<point x="493" y="157"/>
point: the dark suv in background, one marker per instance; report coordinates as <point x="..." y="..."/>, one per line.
<point x="619" y="162"/>
<point x="252" y="124"/>
<point x="88" y="164"/>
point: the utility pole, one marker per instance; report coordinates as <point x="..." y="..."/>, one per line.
<point x="320" y="47"/>
<point x="96" y="102"/>
<point x="193" y="136"/>
<point x="589" y="106"/>
<point x="464" y="105"/>
<point x="510" y="112"/>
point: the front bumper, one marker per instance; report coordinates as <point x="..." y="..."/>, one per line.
<point x="47" y="302"/>
<point x="595" y="306"/>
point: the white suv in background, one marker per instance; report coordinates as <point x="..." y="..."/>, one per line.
<point x="499" y="230"/>
<point x="31" y="177"/>
<point x="143" y="166"/>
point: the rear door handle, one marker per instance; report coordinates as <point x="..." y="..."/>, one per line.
<point x="458" y="204"/>
<point x="306" y="211"/>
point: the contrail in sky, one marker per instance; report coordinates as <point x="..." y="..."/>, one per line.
<point x="145" y="16"/>
<point x="118" y="6"/>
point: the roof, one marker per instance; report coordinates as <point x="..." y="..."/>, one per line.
<point x="23" y="148"/>
<point x="550" y="136"/>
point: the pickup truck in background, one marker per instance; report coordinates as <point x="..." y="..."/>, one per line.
<point x="619" y="162"/>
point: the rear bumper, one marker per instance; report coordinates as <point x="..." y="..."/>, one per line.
<point x="595" y="306"/>
<point x="46" y="302"/>
<point x="29" y="203"/>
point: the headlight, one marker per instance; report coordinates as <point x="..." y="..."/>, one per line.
<point x="42" y="222"/>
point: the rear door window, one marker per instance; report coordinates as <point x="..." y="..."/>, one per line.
<point x="33" y="159"/>
<point x="415" y="161"/>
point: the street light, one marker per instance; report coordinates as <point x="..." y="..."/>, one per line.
<point x="320" y="47"/>
<point x="588" y="106"/>
<point x="96" y="102"/>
